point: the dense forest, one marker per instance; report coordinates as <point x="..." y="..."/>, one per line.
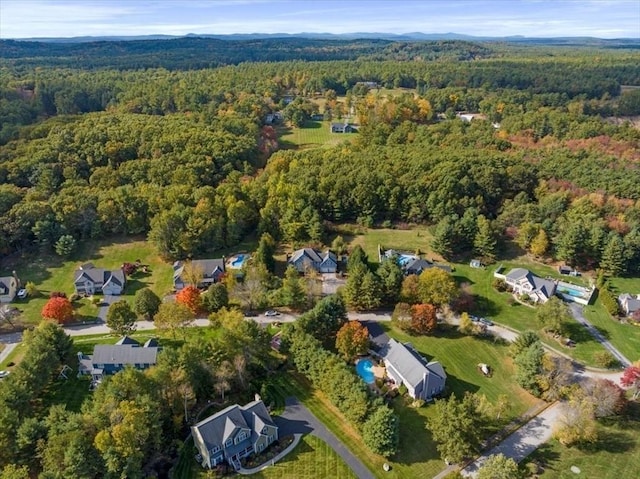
<point x="186" y="156"/>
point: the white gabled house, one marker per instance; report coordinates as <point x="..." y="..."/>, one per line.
<point x="309" y="258"/>
<point x="405" y="365"/>
<point x="523" y="281"/>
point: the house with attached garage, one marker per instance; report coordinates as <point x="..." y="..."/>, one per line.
<point x="523" y="281"/>
<point x="210" y="271"/>
<point x="9" y="286"/>
<point x="111" y="358"/>
<point x="629" y="303"/>
<point x="309" y="258"/>
<point x="92" y="280"/>
<point x="342" y="128"/>
<point x="234" y="433"/>
<point x="404" y="365"/>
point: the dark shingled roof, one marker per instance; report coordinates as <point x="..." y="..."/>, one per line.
<point x="124" y="354"/>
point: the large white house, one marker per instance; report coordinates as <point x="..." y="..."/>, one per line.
<point x="629" y="303"/>
<point x="523" y="281"/>
<point x="405" y="365"/>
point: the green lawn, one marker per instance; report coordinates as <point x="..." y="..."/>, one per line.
<point x="410" y="240"/>
<point x="51" y="273"/>
<point x="313" y="134"/>
<point x="312" y="458"/>
<point x="615" y="456"/>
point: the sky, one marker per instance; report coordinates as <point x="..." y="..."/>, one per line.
<point x="532" y="18"/>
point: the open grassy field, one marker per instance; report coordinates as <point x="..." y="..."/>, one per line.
<point x="314" y="134"/>
<point x="615" y="456"/>
<point x="50" y="273"/>
<point x="411" y="240"/>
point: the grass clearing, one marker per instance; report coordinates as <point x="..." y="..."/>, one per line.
<point x="50" y="273"/>
<point x="615" y="455"/>
<point x="314" y="134"/>
<point x="410" y="240"/>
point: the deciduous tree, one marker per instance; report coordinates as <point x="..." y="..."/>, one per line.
<point x="607" y="398"/>
<point x="120" y="318"/>
<point x="540" y="244"/>
<point x="380" y="431"/>
<point x="498" y="466"/>
<point x="410" y="291"/>
<point x="58" y="309"/>
<point x="576" y="424"/>
<point x="554" y="315"/>
<point x="190" y="296"/>
<point x="423" y="318"/>
<point x="173" y="316"/>
<point x="352" y="339"/>
<point x="631" y="379"/>
<point x="437" y="287"/>
<point x="146" y="303"/>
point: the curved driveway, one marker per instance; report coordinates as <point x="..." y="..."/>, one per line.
<point x="297" y="419"/>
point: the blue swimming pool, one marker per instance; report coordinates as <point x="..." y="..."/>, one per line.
<point x="364" y="368"/>
<point x="403" y="259"/>
<point x="236" y="262"/>
<point x="572" y="292"/>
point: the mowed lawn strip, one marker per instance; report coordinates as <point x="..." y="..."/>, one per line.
<point x="312" y="458"/>
<point x="313" y="134"/>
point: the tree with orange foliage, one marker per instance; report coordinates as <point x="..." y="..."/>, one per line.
<point x="59" y="309"/>
<point x="190" y="297"/>
<point x="352" y="339"/>
<point x="423" y="318"/>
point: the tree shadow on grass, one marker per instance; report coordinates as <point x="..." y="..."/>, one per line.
<point x="545" y="455"/>
<point x="609" y="441"/>
<point x="486" y="307"/>
<point x="578" y="333"/>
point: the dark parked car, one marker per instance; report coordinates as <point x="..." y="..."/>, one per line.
<point x="486" y="321"/>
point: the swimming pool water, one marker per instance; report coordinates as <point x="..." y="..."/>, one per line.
<point x="572" y="292"/>
<point x="237" y="262"/>
<point x="364" y="368"/>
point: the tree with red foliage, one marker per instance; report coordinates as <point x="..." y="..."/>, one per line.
<point x="190" y="297"/>
<point x="631" y="379"/>
<point x="58" y="309"/>
<point x="129" y="268"/>
<point x="423" y="318"/>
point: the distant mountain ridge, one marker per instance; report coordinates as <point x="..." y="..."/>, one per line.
<point x="411" y="36"/>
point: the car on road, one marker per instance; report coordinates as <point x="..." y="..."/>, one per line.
<point x="250" y="314"/>
<point x="4" y="374"/>
<point x="271" y="312"/>
<point x="474" y="319"/>
<point x="486" y="322"/>
<point x="22" y="293"/>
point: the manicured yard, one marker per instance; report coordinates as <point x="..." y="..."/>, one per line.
<point x="312" y="458"/>
<point x="313" y="135"/>
<point x="417" y="455"/>
<point x="52" y="273"/>
<point x="615" y="456"/>
<point x="410" y="240"/>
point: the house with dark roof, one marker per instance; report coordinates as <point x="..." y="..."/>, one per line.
<point x="629" y="303"/>
<point x="404" y="365"/>
<point x="342" y="128"/>
<point x="9" y="286"/>
<point x="306" y="258"/>
<point x="212" y="272"/>
<point x="524" y="281"/>
<point x="111" y="358"/>
<point x="410" y="263"/>
<point x="234" y="433"/>
<point x="92" y="280"/>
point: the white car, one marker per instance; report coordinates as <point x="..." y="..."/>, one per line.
<point x="22" y="293"/>
<point x="271" y="312"/>
<point x="4" y="374"/>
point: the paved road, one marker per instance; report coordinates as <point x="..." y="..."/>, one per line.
<point x="297" y="419"/>
<point x="522" y="442"/>
<point x="577" y="311"/>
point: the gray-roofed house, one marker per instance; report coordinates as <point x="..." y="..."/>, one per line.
<point x="524" y="281"/>
<point x="111" y="358"/>
<point x="9" y="286"/>
<point x="92" y="280"/>
<point x="234" y="433"/>
<point x="342" y="128"/>
<point x="405" y="365"/>
<point x="306" y="258"/>
<point x="212" y="272"/>
<point x="418" y="265"/>
<point x="629" y="303"/>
